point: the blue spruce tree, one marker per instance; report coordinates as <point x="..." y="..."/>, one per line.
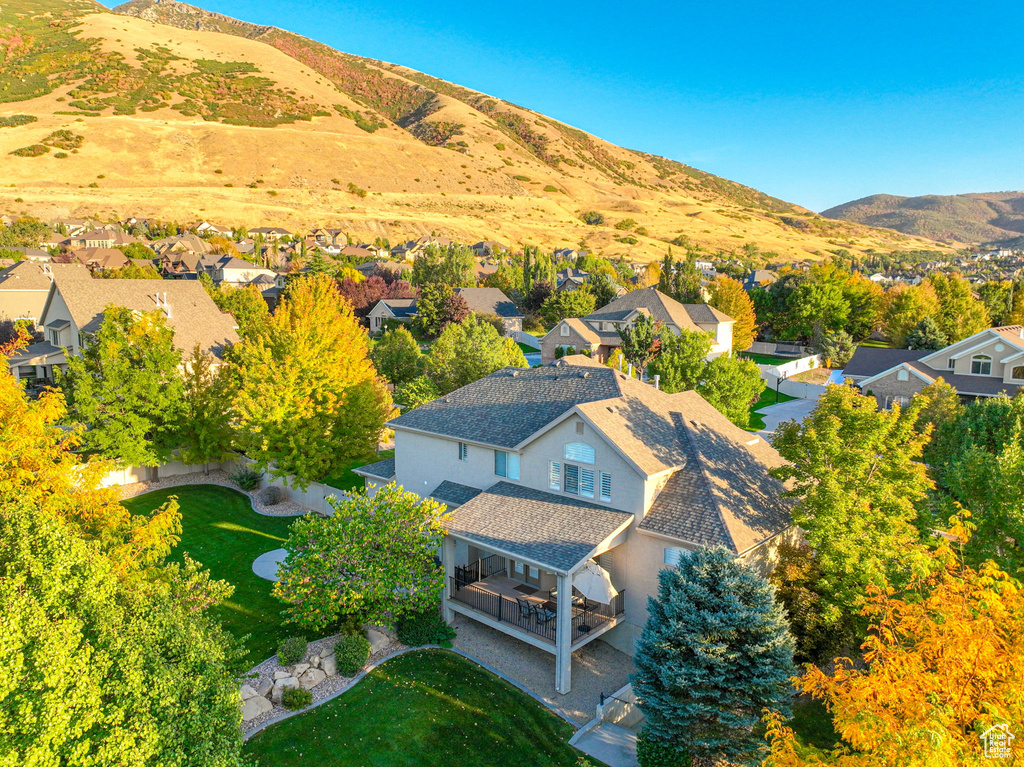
<point x="716" y="651"/>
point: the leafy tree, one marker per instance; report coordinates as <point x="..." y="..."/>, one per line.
<point x="507" y="278"/>
<point x="130" y="272"/>
<point x="903" y="308"/>
<point x="539" y="292"/>
<point x="927" y="336"/>
<point x="309" y="400"/>
<point x="397" y="356"/>
<point x="437" y="307"/>
<point x="246" y="305"/>
<point x="960" y="313"/>
<point x="732" y="385"/>
<point x="864" y="298"/>
<point x="568" y="303"/>
<point x="205" y="432"/>
<point x="857" y="481"/>
<point x="416" y="392"/>
<point x="374" y="558"/>
<point x="363" y="295"/>
<point x="25" y="232"/>
<point x="944" y="662"/>
<point x="125" y="388"/>
<point x="728" y="296"/>
<point x="988" y="423"/>
<point x="939" y="413"/>
<point x="106" y="669"/>
<point x="137" y="250"/>
<point x="468" y="351"/>
<point x="999" y="297"/>
<point x="640" y="342"/>
<point x="452" y="265"/>
<point x="714" y="654"/>
<point x="816" y="304"/>
<point x="604" y="289"/>
<point x="681" y="360"/>
<point x="835" y="346"/>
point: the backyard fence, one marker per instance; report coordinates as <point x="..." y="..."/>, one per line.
<point x="525" y="338"/>
<point x="782" y="350"/>
<point x="771" y="374"/>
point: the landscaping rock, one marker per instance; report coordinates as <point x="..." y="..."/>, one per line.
<point x="265" y="688"/>
<point x="329" y="666"/>
<point x="314" y="661"/>
<point x="299" y="669"/>
<point x="247" y="692"/>
<point x="312" y="678"/>
<point x="279" y="688"/>
<point x="378" y="640"/>
<point x="254" y="707"/>
<point x="281" y="675"/>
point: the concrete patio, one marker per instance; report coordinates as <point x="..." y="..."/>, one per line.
<point x="596" y="668"/>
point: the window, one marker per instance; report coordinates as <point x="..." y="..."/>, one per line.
<point x="555" y="476"/>
<point x="1018" y="373"/>
<point x="902" y="375"/>
<point x="952" y="363"/>
<point x="572" y="479"/>
<point x="463" y="451"/>
<point x="981" y="365"/>
<point x="673" y="555"/>
<point x="519" y="568"/>
<point x="607" y="562"/>
<point x="606" y="486"/>
<point x="579" y="452"/>
<point x="55" y="338"/>
<point x="565" y="329"/>
<point x="587" y="483"/>
<point x="579" y="427"/>
<point x="506" y="464"/>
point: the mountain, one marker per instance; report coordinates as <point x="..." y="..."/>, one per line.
<point x="164" y="110"/>
<point x="995" y="218"/>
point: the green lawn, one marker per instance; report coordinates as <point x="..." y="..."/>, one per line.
<point x="766" y="359"/>
<point x="526" y="349"/>
<point x="876" y="344"/>
<point x="220" y="530"/>
<point x="767" y="398"/>
<point x="429" y="708"/>
<point x="347" y="480"/>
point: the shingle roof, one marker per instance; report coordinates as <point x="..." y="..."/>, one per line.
<point x="704" y="314"/>
<point x="551" y="530"/>
<point x="454" y="494"/>
<point x="983" y="385"/>
<point x="195" y="318"/>
<point x="380" y="470"/>
<point x="661" y="307"/>
<point x="868" y="360"/>
<point x="28" y="275"/>
<point x="489" y="301"/>
<point x="400" y="307"/>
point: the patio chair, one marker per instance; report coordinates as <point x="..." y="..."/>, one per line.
<point x="526" y="609"/>
<point x="544" y="615"/>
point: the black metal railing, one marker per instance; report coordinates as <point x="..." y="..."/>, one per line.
<point x="480" y="569"/>
<point x="531" y="616"/>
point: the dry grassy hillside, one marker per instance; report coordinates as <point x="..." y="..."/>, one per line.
<point x="252" y="125"/>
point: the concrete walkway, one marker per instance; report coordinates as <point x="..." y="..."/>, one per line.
<point x="266" y="565"/>
<point x="795" y="410"/>
<point x="609" y="743"/>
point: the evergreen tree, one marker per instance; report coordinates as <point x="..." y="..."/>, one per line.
<point x="927" y="336"/>
<point x="640" y="342"/>
<point x="686" y="282"/>
<point x="715" y="652"/>
<point x="666" y="275"/>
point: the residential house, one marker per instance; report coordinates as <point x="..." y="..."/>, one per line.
<point x="270" y="233"/>
<point x="180" y="265"/>
<point x="759" y="278"/>
<point x="489" y="248"/>
<point x="182" y="243"/>
<point x="38" y="255"/>
<point x="571" y="279"/>
<point x="573" y="466"/>
<point x="25" y="286"/>
<point x="325" y="237"/>
<point x="484" y="269"/>
<point x="598" y="332"/>
<point x="407" y="251"/>
<point x="100" y="258"/>
<point x="52" y="240"/>
<point x="72" y="226"/>
<point x="987" y="364"/>
<point x="99" y="238"/>
<point x="401" y="309"/>
<point x="73" y="313"/>
<point x="484" y="302"/>
<point x="219" y="230"/>
<point x="233" y="271"/>
<point x="368" y="267"/>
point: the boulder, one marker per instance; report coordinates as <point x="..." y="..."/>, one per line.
<point x="378" y="640"/>
<point x="314" y="661"/>
<point x="312" y="678"/>
<point x="265" y="688"/>
<point x="328" y="665"/>
<point x="281" y="675"/>
<point x="299" y="669"/>
<point x="279" y="688"/>
<point x="247" y="692"/>
<point x="254" y="707"/>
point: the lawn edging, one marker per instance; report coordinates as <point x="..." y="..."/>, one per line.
<point x="136" y="489"/>
<point x="370" y="667"/>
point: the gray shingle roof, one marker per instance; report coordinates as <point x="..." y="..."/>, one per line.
<point x="400" y="307"/>
<point x="983" y="385"/>
<point x="705" y="314"/>
<point x="662" y="308"/>
<point x="380" y="470"/>
<point x="454" y="494"/>
<point x="868" y="360"/>
<point x="551" y="530"/>
<point x="489" y="301"/>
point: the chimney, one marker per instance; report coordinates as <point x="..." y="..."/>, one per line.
<point x="657" y="381"/>
<point x="629" y="370"/>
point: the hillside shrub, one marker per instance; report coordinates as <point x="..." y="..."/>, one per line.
<point x="592" y="217"/>
<point x="625" y="224"/>
<point x="247" y="478"/>
<point x="296" y="698"/>
<point x="64" y="139"/>
<point x="13" y="121"/>
<point x="292" y="650"/>
<point x="356" y="190"/>
<point x="550" y="188"/>
<point x="351" y="653"/>
<point x="270" y="495"/>
<point x="31" y="151"/>
<point x="521" y="178"/>
<point x="425" y="627"/>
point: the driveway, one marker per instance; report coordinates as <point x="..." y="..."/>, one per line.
<point x="794" y="410"/>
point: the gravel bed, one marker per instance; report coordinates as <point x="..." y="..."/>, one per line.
<point x="283" y="509"/>
<point x="331" y="685"/>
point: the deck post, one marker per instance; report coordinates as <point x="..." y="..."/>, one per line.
<point x="448" y="562"/>
<point x="563" y="635"/>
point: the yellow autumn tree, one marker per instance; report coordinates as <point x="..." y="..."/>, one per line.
<point x="944" y="664"/>
<point x="728" y="295"/>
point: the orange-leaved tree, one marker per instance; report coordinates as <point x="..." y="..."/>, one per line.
<point x="944" y="665"/>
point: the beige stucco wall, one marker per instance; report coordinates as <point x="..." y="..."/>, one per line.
<point x="22" y="304"/>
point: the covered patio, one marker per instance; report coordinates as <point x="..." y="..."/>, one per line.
<point x="522" y="561"/>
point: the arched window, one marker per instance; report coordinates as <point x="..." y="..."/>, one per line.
<point x="981" y="365"/>
<point x="902" y="375"/>
<point x="580" y="452"/>
<point x="1018" y="373"/>
<point x="565" y="329"/>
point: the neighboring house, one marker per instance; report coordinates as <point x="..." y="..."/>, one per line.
<point x="99" y="238"/>
<point x="73" y="226"/>
<point x="101" y="258"/>
<point x="233" y="271"/>
<point x="73" y="313"/>
<point x="25" y="286"/>
<point x="407" y="251"/>
<point x="216" y="229"/>
<point x="269" y="233"/>
<point x="182" y="243"/>
<point x="571" y="279"/>
<point x="489" y="248"/>
<point x="759" y="278"/>
<point x="180" y="265"/>
<point x="986" y="364"/>
<point x="367" y="267"/>
<point x="38" y="255"/>
<point x="598" y="332"/>
<point x="550" y="470"/>
<point x="482" y="270"/>
<point x="401" y="309"/>
<point x="492" y="302"/>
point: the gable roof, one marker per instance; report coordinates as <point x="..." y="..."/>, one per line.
<point x="489" y="301"/>
<point x="869" y="360"/>
<point x="399" y="307"/>
<point x="29" y="275"/>
<point x="662" y="308"/>
<point x="195" y="318"/>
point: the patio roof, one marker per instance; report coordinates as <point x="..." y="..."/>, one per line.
<point x="380" y="470"/>
<point x="548" y="530"/>
<point x="453" y="493"/>
<point x="35" y="354"/>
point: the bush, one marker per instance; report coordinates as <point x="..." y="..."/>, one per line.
<point x="625" y="224"/>
<point x="15" y="120"/>
<point x="424" y="627"/>
<point x="659" y="753"/>
<point x="592" y="217"/>
<point x="292" y="650"/>
<point x="270" y="496"/>
<point x="294" y="698"/>
<point x="550" y="188"/>
<point x="351" y="653"/>
<point x="247" y="478"/>
<point x="31" y="151"/>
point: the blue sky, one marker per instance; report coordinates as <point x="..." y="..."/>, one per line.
<point x="817" y="103"/>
